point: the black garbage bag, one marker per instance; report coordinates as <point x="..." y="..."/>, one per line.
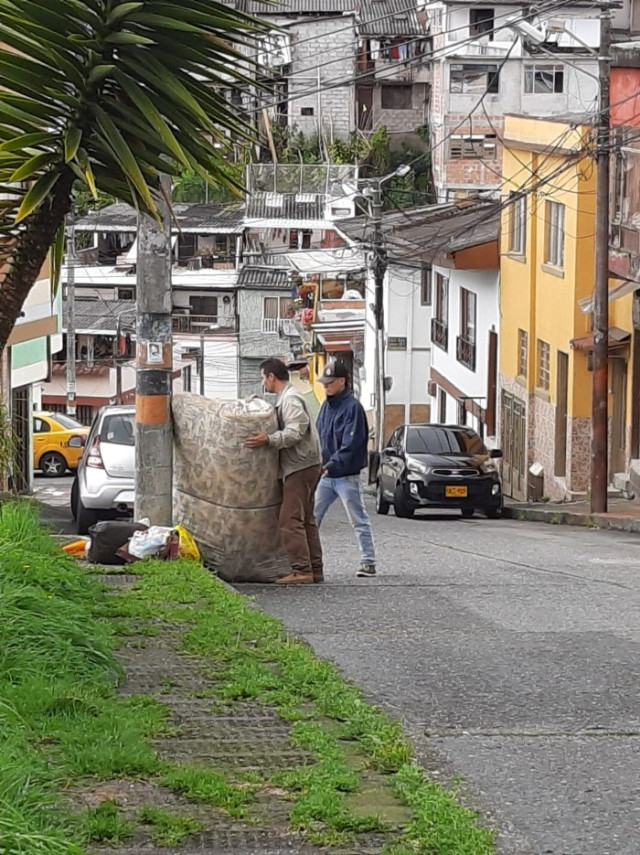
<point x="106" y="539"/>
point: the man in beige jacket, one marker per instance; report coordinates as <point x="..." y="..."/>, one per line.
<point x="300" y="470"/>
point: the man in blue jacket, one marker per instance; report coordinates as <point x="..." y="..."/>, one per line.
<point x="344" y="434"/>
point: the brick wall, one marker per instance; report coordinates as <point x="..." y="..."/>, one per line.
<point x="314" y="43"/>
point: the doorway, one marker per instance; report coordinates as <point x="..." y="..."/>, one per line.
<point x="562" y="404"/>
<point x="513" y="423"/>
<point x="618" y="459"/>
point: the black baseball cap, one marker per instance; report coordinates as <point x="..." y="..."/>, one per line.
<point x="332" y="370"/>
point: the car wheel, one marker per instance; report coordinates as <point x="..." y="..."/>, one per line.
<point x="467" y="513"/>
<point x="86" y="518"/>
<point x="382" y="506"/>
<point x="52" y="464"/>
<point x="74" y="499"/>
<point x="400" y="505"/>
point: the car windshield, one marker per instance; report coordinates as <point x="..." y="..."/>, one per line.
<point x="441" y="440"/>
<point x="118" y="429"/>
<point x="66" y="422"/>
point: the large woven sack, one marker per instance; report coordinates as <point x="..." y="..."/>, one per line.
<point x="226" y="495"/>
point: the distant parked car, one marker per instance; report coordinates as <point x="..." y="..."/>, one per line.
<point x="58" y="442"/>
<point x="438" y="466"/>
<point x="104" y="486"/>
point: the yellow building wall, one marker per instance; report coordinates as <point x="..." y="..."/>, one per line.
<point x="534" y="296"/>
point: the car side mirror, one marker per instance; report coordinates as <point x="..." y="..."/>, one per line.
<point x="495" y="453"/>
<point x="390" y="452"/>
<point x="77" y="441"/>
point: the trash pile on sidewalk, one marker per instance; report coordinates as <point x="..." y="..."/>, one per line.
<point x="116" y="542"/>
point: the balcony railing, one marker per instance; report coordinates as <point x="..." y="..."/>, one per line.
<point x="203" y="324"/>
<point x="466" y="352"/>
<point x="270" y="325"/>
<point x="440" y="333"/>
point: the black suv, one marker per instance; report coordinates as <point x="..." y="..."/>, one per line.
<point x="438" y="466"/>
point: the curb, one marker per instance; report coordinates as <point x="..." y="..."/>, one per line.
<point x="606" y="522"/>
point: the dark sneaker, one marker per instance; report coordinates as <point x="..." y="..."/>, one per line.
<point x="318" y="576"/>
<point x="367" y="570"/>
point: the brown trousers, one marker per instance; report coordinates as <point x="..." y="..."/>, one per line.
<point x="298" y="529"/>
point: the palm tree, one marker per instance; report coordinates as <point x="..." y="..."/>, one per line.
<point x="110" y="93"/>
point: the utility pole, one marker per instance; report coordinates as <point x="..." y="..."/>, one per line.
<point x="118" y="361"/>
<point x="201" y="365"/>
<point x="71" y="316"/>
<point x="379" y="270"/>
<point x="154" y="362"/>
<point x="600" y="399"/>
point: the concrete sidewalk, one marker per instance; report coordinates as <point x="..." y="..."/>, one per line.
<point x="623" y="515"/>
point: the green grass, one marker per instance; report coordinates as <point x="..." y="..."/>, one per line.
<point x="105" y="825"/>
<point x="60" y="717"/>
<point x="207" y="786"/>
<point x="167" y="829"/>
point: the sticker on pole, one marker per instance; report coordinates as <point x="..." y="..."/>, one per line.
<point x="155" y="354"/>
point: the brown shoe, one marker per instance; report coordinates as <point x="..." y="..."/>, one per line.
<point x="318" y="576"/>
<point x="295" y="579"/>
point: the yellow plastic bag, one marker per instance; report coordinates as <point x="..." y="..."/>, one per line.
<point x="188" y="548"/>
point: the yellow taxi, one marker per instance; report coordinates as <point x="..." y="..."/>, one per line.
<point x="58" y="443"/>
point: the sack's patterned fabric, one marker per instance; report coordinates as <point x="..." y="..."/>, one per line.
<point x="226" y="495"/>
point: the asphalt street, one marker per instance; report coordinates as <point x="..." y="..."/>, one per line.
<point x="509" y="650"/>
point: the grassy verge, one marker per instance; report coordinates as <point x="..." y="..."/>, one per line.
<point x="61" y="721"/>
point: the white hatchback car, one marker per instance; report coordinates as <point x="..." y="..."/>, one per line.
<point x="104" y="487"/>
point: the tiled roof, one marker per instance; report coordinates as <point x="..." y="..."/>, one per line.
<point x="389" y="18"/>
<point x="296" y="7"/>
<point x="100" y="315"/>
<point x="264" y="277"/>
<point x="288" y="206"/>
<point x="191" y="218"/>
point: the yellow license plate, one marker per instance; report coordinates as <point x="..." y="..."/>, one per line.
<point x="456" y="492"/>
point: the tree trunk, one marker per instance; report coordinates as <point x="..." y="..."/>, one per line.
<point x="22" y="257"/>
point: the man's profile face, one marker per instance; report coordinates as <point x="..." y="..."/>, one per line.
<point x="336" y="386"/>
<point x="268" y="381"/>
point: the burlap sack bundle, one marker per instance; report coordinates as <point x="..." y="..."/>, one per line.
<point x="226" y="495"/>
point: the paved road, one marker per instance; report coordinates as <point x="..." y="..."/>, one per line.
<point x="53" y="494"/>
<point x="511" y="653"/>
<point x="509" y="650"/>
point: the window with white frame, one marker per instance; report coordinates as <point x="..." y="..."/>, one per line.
<point x="544" y="79"/>
<point x="523" y="353"/>
<point x="543" y="374"/>
<point x="274" y="310"/>
<point x="554" y="234"/>
<point x="481" y="146"/>
<point x="517" y="223"/>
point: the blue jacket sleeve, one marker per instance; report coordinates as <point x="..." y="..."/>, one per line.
<point x="349" y="458"/>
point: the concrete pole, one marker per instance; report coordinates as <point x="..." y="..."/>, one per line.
<point x="600" y="400"/>
<point x="154" y="434"/>
<point x="71" y="318"/>
<point x="379" y="270"/>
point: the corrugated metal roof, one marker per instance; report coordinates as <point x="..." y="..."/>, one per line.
<point x="323" y="260"/>
<point x="257" y="278"/>
<point x="296" y="7"/>
<point x="432" y="230"/>
<point x="290" y="206"/>
<point x="389" y="18"/>
<point x="192" y="218"/>
<point x="100" y="315"/>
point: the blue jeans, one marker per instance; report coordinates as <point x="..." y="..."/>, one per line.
<point x="349" y="491"/>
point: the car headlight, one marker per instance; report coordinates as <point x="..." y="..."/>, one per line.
<point x="414" y="465"/>
<point x="489" y="467"/>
